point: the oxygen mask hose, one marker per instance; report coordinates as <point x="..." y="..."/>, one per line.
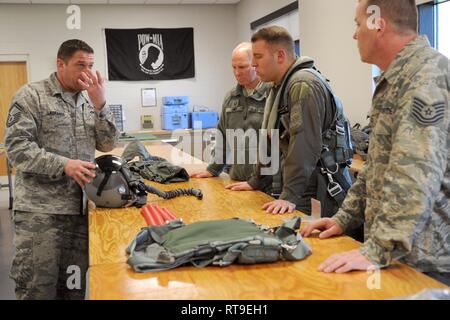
<point x="174" y="193"/>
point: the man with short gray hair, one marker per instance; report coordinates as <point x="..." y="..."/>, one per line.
<point x="402" y="194"/>
<point x="242" y="109"/>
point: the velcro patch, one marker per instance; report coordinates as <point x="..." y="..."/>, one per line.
<point x="14" y="115"/>
<point x="427" y="114"/>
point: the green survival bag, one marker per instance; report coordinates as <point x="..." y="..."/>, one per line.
<point x="217" y="242"/>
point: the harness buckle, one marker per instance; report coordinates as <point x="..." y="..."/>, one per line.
<point x="330" y="177"/>
<point x="334" y="189"/>
<point x="335" y="170"/>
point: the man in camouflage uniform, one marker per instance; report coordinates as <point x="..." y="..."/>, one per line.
<point x="402" y="194"/>
<point x="243" y="108"/>
<point x="300" y="129"/>
<point x="51" y="136"/>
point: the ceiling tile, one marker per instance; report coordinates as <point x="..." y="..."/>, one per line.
<point x="227" y="1"/>
<point x="162" y="2"/>
<point x="126" y="1"/>
<point x="16" y="1"/>
<point x="89" y="1"/>
<point x="50" y="1"/>
<point x="197" y="1"/>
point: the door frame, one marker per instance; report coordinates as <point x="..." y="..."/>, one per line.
<point x="14" y="58"/>
<point x="6" y="57"/>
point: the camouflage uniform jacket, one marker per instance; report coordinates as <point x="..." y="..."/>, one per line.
<point x="45" y="129"/>
<point x="402" y="194"/>
<point x="239" y="112"/>
<point x="300" y="134"/>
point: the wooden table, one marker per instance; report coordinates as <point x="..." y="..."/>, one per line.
<point x="111" y="230"/>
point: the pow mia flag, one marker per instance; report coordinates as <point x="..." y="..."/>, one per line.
<point x="150" y="54"/>
<point x="427" y="114"/>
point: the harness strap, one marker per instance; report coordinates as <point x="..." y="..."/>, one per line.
<point x="103" y="183"/>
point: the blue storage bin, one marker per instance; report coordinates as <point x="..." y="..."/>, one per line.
<point x="174" y="117"/>
<point x="204" y="120"/>
<point x="175" y="100"/>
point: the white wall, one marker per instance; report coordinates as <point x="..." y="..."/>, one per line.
<point x="251" y="10"/>
<point x="288" y="21"/>
<point x="38" y="30"/>
<point x="325" y="30"/>
<point x="326" y="34"/>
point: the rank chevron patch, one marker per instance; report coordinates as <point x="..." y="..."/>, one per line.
<point x="14" y="115"/>
<point x="426" y="114"/>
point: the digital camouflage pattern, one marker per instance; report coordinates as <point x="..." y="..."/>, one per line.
<point x="46" y="246"/>
<point x="402" y="194"/>
<point x="46" y="128"/>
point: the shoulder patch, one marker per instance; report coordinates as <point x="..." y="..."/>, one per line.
<point x="14" y="115"/>
<point x="426" y="114"/>
<point x="299" y="91"/>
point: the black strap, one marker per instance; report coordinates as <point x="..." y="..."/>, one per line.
<point x="277" y="185"/>
<point x="103" y="183"/>
<point x="338" y="185"/>
<point x="336" y="136"/>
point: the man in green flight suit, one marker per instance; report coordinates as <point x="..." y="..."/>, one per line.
<point x="303" y="115"/>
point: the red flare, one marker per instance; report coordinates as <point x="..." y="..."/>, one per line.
<point x="155" y="214"/>
<point x="163" y="213"/>
<point x="148" y="217"/>
<point x="169" y="213"/>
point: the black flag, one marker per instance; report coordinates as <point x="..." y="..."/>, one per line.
<point x="150" y="54"/>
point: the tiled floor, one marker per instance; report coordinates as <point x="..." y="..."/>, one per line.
<point x="6" y="247"/>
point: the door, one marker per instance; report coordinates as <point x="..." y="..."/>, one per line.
<point x="13" y="75"/>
